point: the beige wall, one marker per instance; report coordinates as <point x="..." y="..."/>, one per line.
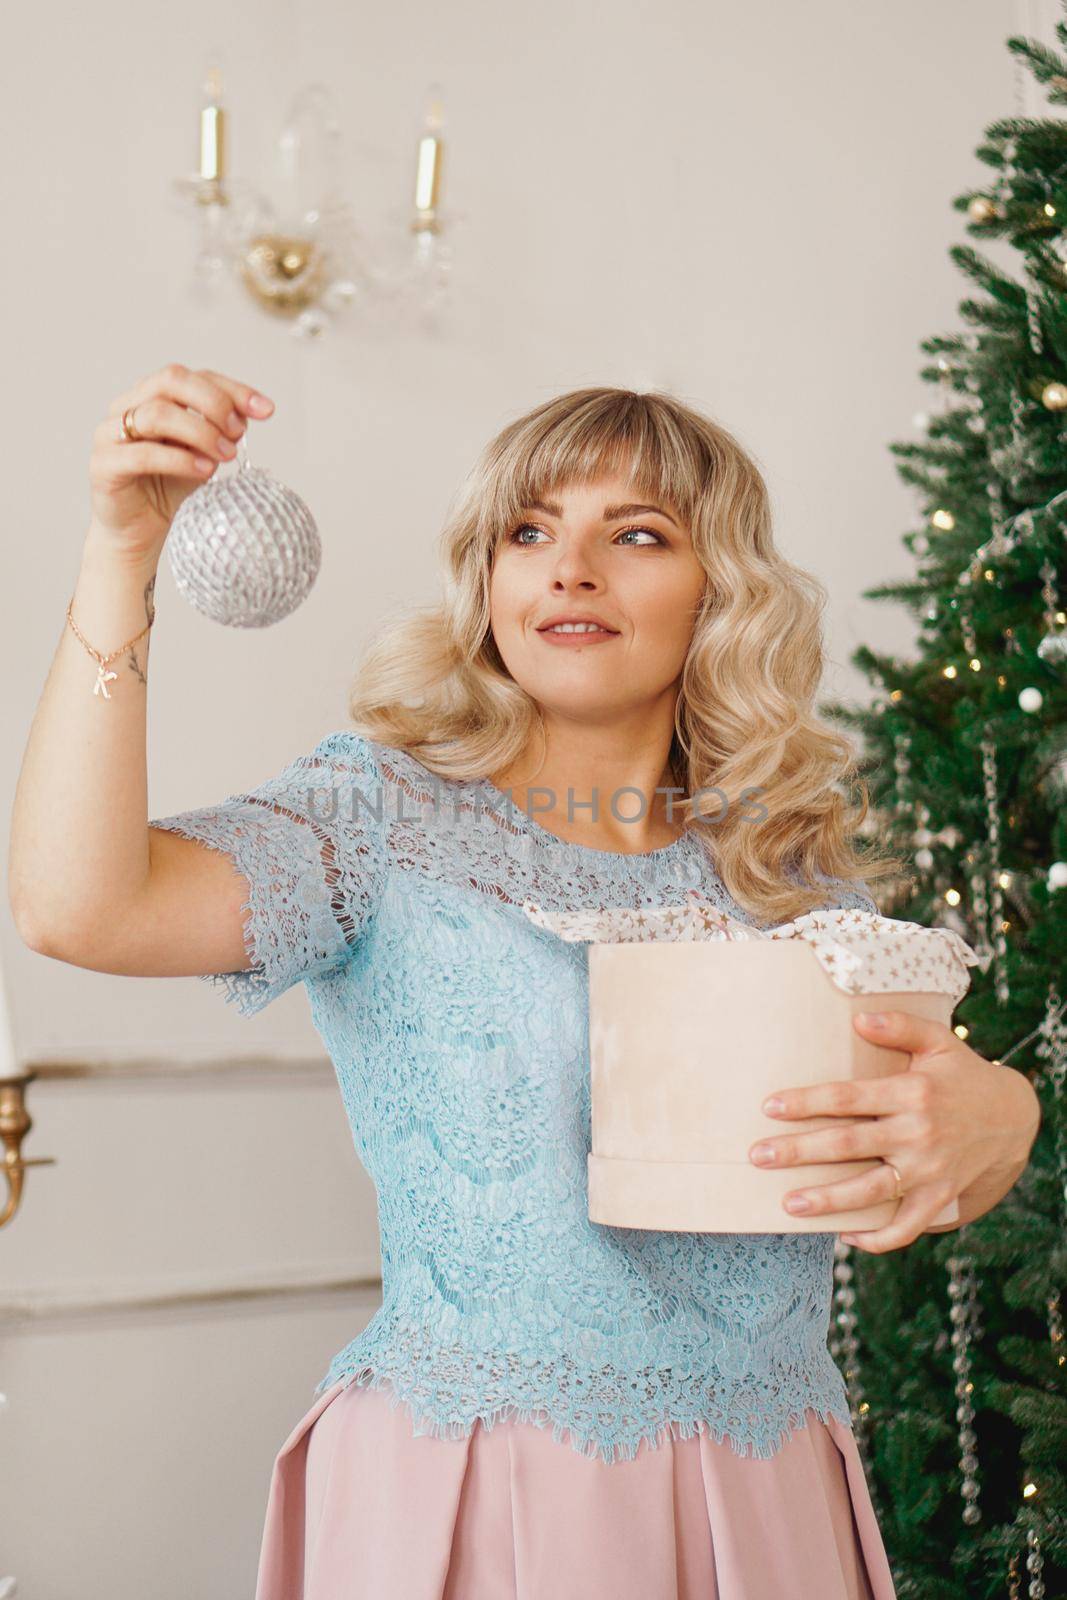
<point x="749" y="205"/>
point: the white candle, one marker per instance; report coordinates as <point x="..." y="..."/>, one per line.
<point x="212" y="129"/>
<point x="428" y="164"/>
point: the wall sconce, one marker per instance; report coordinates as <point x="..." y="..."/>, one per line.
<point x="15" y="1124"/>
<point x="297" y="251"/>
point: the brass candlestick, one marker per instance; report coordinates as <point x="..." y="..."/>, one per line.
<point x="15" y="1124"/>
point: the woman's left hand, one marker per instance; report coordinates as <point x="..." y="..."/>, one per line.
<point x="944" y="1121"/>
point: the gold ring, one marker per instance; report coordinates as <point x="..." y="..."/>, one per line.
<point x="129" y="432"/>
<point x="900" y="1187"/>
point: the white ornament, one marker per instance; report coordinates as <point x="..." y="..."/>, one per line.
<point x="1053" y="647"/>
<point x="244" y="549"/>
<point x="1031" y="700"/>
<point x="1057" y="875"/>
<point x="924" y="860"/>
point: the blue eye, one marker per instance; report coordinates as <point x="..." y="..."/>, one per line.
<point x="658" y="537"/>
<point x="527" y="544"/>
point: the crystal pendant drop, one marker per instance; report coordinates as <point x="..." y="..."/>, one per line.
<point x="244" y="549"/>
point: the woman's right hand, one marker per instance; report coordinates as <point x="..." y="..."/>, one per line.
<point x="189" y="422"/>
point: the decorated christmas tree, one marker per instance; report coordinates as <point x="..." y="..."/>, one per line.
<point x="953" y="1348"/>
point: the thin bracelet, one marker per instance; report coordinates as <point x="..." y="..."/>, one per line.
<point x="102" y="676"/>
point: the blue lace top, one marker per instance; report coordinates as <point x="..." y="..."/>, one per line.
<point x="459" y="1033"/>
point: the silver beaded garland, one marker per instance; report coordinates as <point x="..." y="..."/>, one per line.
<point x="1051" y="1049"/>
<point x="1053" y="646"/>
<point x="1035" y="1566"/>
<point x="966" y="1329"/>
<point x="996" y="894"/>
<point x="902" y="801"/>
<point x="979" y="910"/>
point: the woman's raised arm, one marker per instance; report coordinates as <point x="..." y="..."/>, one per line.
<point x="88" y="880"/>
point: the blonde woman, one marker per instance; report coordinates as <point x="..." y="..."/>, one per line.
<point x="542" y="1408"/>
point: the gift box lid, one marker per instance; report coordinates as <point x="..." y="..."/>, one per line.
<point x="862" y="951"/>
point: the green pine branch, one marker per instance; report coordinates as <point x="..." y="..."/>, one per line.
<point x="1044" y="63"/>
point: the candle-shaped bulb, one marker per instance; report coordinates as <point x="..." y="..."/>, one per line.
<point x="212" y="127"/>
<point x="428" y="165"/>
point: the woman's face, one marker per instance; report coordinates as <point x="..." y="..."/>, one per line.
<point x="593" y="552"/>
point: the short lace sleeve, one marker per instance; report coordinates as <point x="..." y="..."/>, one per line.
<point x="844" y="894"/>
<point x="309" y="842"/>
<point x="847" y="894"/>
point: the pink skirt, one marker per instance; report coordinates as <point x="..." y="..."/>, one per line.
<point x="360" y="1506"/>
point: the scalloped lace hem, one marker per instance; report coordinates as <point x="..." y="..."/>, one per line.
<point x="762" y="1446"/>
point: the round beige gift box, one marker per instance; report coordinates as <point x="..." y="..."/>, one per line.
<point x="686" y="1041"/>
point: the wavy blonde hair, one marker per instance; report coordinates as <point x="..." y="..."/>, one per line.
<point x="432" y="681"/>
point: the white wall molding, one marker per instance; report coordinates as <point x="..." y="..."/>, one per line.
<point x="299" y="1069"/>
<point x="30" y="1309"/>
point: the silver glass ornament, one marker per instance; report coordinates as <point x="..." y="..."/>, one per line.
<point x="244" y="549"/>
<point x="1053" y="646"/>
